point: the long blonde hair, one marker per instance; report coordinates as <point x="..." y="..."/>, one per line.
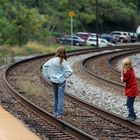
<point x="60" y="52"/>
<point x="127" y="63"/>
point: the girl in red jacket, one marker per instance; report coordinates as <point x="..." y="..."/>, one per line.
<point x="131" y="87"/>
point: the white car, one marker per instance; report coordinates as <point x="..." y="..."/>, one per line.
<point x="92" y="41"/>
<point x="121" y="36"/>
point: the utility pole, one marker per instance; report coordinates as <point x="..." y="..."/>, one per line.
<point x="97" y="23"/>
<point x="138" y="6"/>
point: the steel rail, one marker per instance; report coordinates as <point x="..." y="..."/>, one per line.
<point x="122" y="120"/>
<point x="79" y="134"/>
<point x="31" y="106"/>
<point x="128" y="51"/>
<point x="119" y="56"/>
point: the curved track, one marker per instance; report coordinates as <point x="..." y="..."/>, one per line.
<point x="106" y="60"/>
<point x="80" y="114"/>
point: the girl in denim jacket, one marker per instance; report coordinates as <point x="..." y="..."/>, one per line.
<point x="57" y="70"/>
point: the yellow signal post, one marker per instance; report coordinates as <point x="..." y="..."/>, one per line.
<point x="71" y="14"/>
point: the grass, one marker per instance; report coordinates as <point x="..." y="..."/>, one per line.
<point x="29" y="49"/>
<point x="29" y="87"/>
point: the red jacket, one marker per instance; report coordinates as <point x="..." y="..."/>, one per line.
<point x="131" y="87"/>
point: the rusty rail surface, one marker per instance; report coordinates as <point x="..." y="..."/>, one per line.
<point x="74" y="132"/>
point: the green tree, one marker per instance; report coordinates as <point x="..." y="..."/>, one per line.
<point x="22" y="20"/>
<point x="115" y="14"/>
<point x="6" y="32"/>
<point x="28" y="23"/>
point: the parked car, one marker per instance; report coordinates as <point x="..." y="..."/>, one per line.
<point x="109" y="38"/>
<point x="93" y="34"/>
<point x="75" y="40"/>
<point x="92" y="41"/>
<point x="138" y="33"/>
<point x="121" y="36"/>
<point x="83" y="35"/>
<point x="133" y="36"/>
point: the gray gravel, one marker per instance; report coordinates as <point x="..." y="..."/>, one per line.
<point x="100" y="96"/>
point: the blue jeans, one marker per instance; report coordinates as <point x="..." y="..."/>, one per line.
<point x="58" y="89"/>
<point x="130" y="107"/>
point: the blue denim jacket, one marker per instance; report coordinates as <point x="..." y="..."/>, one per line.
<point x="56" y="72"/>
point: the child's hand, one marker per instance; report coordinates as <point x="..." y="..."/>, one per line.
<point x="122" y="75"/>
<point x="122" y="78"/>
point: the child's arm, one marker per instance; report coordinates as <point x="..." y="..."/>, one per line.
<point x="125" y="75"/>
<point x="122" y="75"/>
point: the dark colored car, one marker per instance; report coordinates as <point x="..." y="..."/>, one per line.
<point x="109" y="38"/>
<point x="133" y="36"/>
<point x="75" y="40"/>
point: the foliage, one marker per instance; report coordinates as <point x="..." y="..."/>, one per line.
<point x="117" y="15"/>
<point x="7" y="31"/>
<point x="28" y="23"/>
<point x="23" y="21"/>
<point x="34" y="47"/>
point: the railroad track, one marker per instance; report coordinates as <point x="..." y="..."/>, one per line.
<point x="79" y="114"/>
<point x="112" y="62"/>
<point x="108" y="73"/>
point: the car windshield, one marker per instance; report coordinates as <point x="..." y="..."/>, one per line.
<point x="75" y="37"/>
<point x="102" y="41"/>
<point x="92" y="39"/>
<point x="116" y="33"/>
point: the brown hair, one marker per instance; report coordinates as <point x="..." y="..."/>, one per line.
<point x="127" y="63"/>
<point x="60" y="52"/>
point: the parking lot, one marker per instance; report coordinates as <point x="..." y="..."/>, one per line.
<point x="102" y="40"/>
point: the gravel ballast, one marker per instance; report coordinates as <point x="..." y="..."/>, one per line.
<point x="105" y="98"/>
